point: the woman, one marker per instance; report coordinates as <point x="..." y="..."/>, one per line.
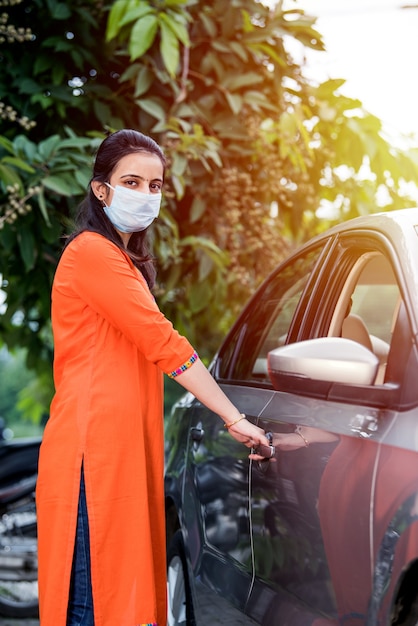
<point x="100" y="493"/>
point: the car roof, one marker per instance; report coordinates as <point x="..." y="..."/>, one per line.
<point x="400" y="227"/>
<point x="388" y="222"/>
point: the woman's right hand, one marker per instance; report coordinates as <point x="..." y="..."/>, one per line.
<point x="250" y="435"/>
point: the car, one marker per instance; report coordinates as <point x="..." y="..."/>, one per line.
<point x="18" y="531"/>
<point x="324" y="532"/>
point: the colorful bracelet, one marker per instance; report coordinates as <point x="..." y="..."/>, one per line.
<point x="243" y="417"/>
<point x="298" y="432"/>
<point x="185" y="366"/>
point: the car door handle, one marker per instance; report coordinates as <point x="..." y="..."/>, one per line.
<point x="197" y="433"/>
<point x="268" y="452"/>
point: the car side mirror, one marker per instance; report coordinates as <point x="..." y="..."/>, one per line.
<point x="316" y="364"/>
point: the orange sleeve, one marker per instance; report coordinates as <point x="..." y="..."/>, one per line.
<point x="106" y="280"/>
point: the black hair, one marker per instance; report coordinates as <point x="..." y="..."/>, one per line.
<point x="91" y="216"/>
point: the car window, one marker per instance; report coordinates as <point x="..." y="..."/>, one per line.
<point x="367" y="307"/>
<point x="266" y="322"/>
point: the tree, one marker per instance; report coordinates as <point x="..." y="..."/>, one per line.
<point x="14" y="377"/>
<point x="253" y="147"/>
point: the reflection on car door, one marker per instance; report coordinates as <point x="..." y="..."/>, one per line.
<point x="298" y="530"/>
<point x="216" y="516"/>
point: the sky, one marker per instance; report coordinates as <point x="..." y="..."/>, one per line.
<point x="373" y="44"/>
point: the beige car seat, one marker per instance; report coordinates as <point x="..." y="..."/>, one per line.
<point x="355" y="329"/>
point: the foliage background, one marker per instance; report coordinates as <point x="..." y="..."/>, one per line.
<point x="254" y="149"/>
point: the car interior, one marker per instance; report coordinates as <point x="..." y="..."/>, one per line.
<point x="367" y="307"/>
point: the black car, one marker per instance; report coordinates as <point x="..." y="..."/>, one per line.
<point x="325" y="359"/>
<point x="18" y="529"/>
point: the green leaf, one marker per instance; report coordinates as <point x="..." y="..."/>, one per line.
<point x="22" y="146"/>
<point x="200" y="295"/>
<point x="42" y="206"/>
<point x="44" y="101"/>
<point x="22" y="165"/>
<point x="136" y="14"/>
<point x="117" y="12"/>
<point x="169" y="48"/>
<point x="220" y="47"/>
<point x="205" y="266"/>
<point x="201" y="242"/>
<point x="179" y="186"/>
<point x="42" y="63"/>
<point x="159" y="127"/>
<point x="234" y="101"/>
<point x="215" y="157"/>
<point x="179" y="29"/>
<point x="61" y="11"/>
<point x="58" y="74"/>
<point x="258" y="100"/>
<point x="212" y="61"/>
<point x="197" y="209"/>
<point x="102" y="111"/>
<point x="209" y="25"/>
<point x="184" y="110"/>
<point x="27" y="248"/>
<point x="143" y="81"/>
<point x="269" y="52"/>
<point x="78" y="58"/>
<point x="142" y="36"/>
<point x="230" y="127"/>
<point x="28" y="86"/>
<point x="177" y="3"/>
<point x="63" y="45"/>
<point x="58" y="185"/>
<point x="153" y="107"/>
<point x="9" y="176"/>
<point x="6" y="144"/>
<point x="239" y="50"/>
<point x="83" y="178"/>
<point x="179" y="164"/>
<point x="246" y="79"/>
<point x="47" y="147"/>
<point x="131" y="72"/>
<point x="87" y="16"/>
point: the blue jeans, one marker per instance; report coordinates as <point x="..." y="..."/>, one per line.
<point x="80" y="604"/>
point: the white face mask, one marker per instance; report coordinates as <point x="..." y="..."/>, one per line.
<point x="131" y="211"/>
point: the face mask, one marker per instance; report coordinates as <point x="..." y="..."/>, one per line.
<point x="131" y="211"/>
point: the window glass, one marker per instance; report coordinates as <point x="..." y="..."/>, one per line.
<point x="368" y="306"/>
<point x="376" y="305"/>
<point x="266" y="322"/>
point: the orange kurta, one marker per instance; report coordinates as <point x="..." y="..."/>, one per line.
<point x="111" y="346"/>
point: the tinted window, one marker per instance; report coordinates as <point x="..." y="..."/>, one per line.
<point x="266" y="322"/>
<point x="367" y="307"/>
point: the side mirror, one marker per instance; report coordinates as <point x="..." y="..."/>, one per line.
<point x="316" y="364"/>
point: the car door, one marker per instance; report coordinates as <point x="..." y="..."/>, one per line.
<point x="216" y="511"/>
<point x="316" y="537"/>
<point x="215" y="518"/>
